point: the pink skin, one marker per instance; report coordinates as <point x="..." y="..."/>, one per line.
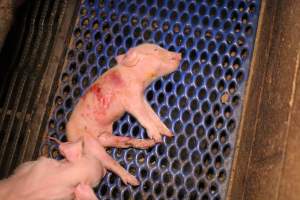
<point x="120" y="90"/>
<point x="49" y="179"/>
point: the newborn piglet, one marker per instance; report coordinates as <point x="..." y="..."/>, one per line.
<point x="120" y="90"/>
<point x="66" y="179"/>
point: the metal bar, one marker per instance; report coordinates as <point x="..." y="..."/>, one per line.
<point x="32" y="78"/>
<point x="18" y="114"/>
<point x="39" y="71"/>
<point x="14" y="82"/>
<point x="17" y="52"/>
<point x="34" y="136"/>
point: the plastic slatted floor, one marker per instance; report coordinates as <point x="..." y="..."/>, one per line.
<point x="201" y="102"/>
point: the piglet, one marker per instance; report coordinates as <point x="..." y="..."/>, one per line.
<point x="67" y="179"/>
<point x="120" y="90"/>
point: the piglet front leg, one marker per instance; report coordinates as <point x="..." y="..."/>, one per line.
<point x="143" y="112"/>
<point x="159" y="124"/>
<point x="109" y="140"/>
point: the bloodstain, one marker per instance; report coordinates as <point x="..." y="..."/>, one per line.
<point x="102" y="95"/>
<point x="103" y="100"/>
<point x="115" y="78"/>
<point x="96" y="90"/>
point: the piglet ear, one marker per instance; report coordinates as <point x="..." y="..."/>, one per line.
<point x="71" y="150"/>
<point x="130" y="59"/>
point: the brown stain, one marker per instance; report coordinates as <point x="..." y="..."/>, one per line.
<point x="225" y="98"/>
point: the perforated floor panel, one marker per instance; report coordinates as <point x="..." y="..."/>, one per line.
<point x="201" y="102"/>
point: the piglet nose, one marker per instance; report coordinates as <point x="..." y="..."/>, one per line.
<point x="177" y="56"/>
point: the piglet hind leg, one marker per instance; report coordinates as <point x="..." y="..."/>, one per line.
<point x="141" y="110"/>
<point x="84" y="192"/>
<point x="110" y="164"/>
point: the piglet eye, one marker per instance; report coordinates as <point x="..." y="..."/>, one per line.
<point x="155" y="49"/>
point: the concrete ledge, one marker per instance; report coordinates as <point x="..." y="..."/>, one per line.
<point x="265" y="164"/>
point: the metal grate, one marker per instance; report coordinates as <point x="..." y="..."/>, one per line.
<point x="22" y="81"/>
<point x="200" y="103"/>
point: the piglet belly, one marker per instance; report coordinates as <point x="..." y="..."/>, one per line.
<point x="89" y="117"/>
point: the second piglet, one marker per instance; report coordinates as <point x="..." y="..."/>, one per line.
<point x="67" y="179"/>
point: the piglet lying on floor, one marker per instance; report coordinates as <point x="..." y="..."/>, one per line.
<point x="67" y="179"/>
<point x="118" y="90"/>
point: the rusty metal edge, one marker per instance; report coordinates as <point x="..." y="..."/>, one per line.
<point x="246" y="134"/>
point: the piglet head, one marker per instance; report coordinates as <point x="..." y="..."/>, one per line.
<point x="72" y="151"/>
<point x="151" y="59"/>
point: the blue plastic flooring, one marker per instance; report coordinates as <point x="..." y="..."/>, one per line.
<point x="201" y="102"/>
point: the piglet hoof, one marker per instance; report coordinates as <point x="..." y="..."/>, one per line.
<point x="164" y="130"/>
<point x="156" y="138"/>
<point x="129" y="179"/>
<point x="168" y="133"/>
<point x="154" y="135"/>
